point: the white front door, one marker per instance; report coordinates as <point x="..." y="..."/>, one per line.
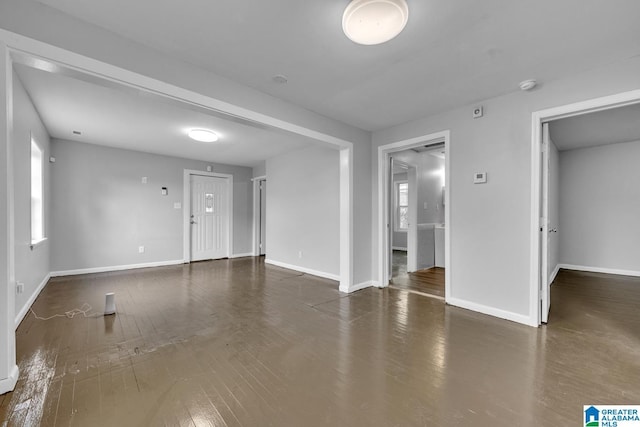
<point x="209" y="217"/>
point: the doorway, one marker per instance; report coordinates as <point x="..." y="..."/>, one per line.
<point x="417" y="216"/>
<point x="423" y="216"/>
<point x="259" y="215"/>
<point x="544" y="230"/>
<point x="208" y="215"/>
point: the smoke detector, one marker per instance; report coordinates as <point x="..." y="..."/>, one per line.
<point x="528" y="84"/>
<point x="280" y="79"/>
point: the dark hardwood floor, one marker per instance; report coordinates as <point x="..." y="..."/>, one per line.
<point x="430" y="281"/>
<point x="238" y="343"/>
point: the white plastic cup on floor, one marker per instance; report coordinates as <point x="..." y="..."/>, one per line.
<point x="109" y="303"/>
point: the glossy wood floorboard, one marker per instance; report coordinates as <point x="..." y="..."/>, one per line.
<point x="429" y="281"/>
<point x="238" y="343"/>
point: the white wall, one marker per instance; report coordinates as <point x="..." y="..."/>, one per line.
<point x="303" y="205"/>
<point x="32" y="266"/>
<point x="101" y="212"/>
<point x="490" y="223"/>
<point x="554" y="209"/>
<point x="600" y="207"/>
<point x="260" y="170"/>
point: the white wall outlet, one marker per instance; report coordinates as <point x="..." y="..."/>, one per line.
<point x="144" y="179"/>
<point x="19" y="287"/>
<point x="479" y="177"/>
<point x="140" y="249"/>
<point x="177" y="205"/>
<point x="209" y="168"/>
<point x="478" y="112"/>
<point x="299" y="254"/>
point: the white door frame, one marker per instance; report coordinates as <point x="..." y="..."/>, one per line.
<point x="412" y="232"/>
<point x="186" y="211"/>
<point x="537" y="118"/>
<point x="256" y="214"/>
<point x="384" y="245"/>
<point x="8" y="367"/>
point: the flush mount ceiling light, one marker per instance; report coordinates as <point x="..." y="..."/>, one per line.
<point x="372" y="22"/>
<point x="203" y="135"/>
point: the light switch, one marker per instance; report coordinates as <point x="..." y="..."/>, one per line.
<point x="479" y="177"/>
<point x="177" y="205"/>
<point x="144" y="180"/>
<point x="164" y="191"/>
<point x="425" y="206"/>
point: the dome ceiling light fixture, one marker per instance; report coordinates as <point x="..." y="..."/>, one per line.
<point x="371" y="22"/>
<point x="203" y="135"/>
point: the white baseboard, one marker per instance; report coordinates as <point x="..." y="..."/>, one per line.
<point x="398" y="248"/>
<point x="303" y="270"/>
<point x="25" y="309"/>
<point x="357" y="287"/>
<point x="554" y="273"/>
<point x="492" y="311"/>
<point x="8" y="384"/>
<point x="600" y="270"/>
<point x="248" y="254"/>
<point x="114" y="268"/>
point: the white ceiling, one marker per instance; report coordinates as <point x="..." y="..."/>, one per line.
<point x="601" y="128"/>
<point x="451" y="53"/>
<point x="118" y="118"/>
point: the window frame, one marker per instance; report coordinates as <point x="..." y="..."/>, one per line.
<point x="36" y="158"/>
<point x="397" y="206"/>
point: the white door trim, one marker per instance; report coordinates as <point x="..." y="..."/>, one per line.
<point x="384" y="246"/>
<point x="412" y="232"/>
<point x="186" y="209"/>
<point x="255" y="236"/>
<point x="537" y="118"/>
<point x="8" y="367"/>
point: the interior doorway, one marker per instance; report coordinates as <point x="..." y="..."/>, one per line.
<point x="413" y="220"/>
<point x="259" y="215"/>
<point x="417" y="215"/>
<point x="208" y="215"/>
<point x="567" y="172"/>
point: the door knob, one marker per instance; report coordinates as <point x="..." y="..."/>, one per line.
<point x="193" y="222"/>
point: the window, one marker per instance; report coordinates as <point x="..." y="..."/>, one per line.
<point x="402" y="206"/>
<point x="37" y="193"/>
